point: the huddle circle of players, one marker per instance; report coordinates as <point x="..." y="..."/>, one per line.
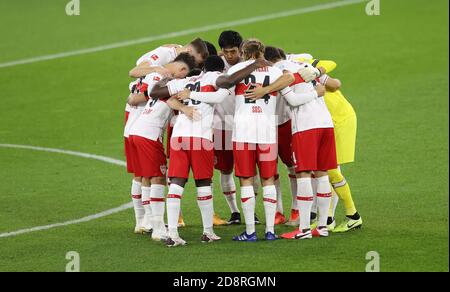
<point x="239" y="112"/>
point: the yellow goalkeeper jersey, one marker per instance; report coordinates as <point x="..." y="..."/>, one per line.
<point x="338" y="106"/>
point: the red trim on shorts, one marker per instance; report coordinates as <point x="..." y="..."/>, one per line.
<point x="308" y="199"/>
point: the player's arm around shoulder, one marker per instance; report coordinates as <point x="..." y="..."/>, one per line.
<point x="331" y="84"/>
<point x="282" y="82"/>
<point x="229" y="80"/>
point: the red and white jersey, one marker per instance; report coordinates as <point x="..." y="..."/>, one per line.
<point x="134" y="111"/>
<point x="255" y="121"/>
<point x="184" y="127"/>
<point x="160" y="56"/>
<point x="152" y="120"/>
<point x="311" y="115"/>
<point x="224" y="111"/>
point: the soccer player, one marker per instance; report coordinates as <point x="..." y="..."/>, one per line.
<point x="314" y="151"/>
<point x="152" y="62"/>
<point x="345" y="124"/>
<point x="145" y="138"/>
<point x="229" y="42"/>
<point x="254" y="141"/>
<point x="192" y="148"/>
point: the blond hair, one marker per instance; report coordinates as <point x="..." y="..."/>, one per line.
<point x="253" y="49"/>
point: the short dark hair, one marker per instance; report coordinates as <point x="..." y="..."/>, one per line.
<point x="214" y="63"/>
<point x="230" y="39"/>
<point x="282" y="53"/>
<point x="200" y="46"/>
<point x="194" y="72"/>
<point x="211" y="49"/>
<point x="272" y="54"/>
<point x="187" y="59"/>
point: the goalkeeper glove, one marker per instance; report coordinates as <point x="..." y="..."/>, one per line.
<point x="309" y="73"/>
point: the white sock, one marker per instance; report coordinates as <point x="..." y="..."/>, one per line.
<point x="334" y="202"/>
<point x="270" y="207"/>
<point x="157" y="205"/>
<point x="305" y="199"/>
<point x="148" y="218"/>
<point x="323" y="199"/>
<point x="293" y="183"/>
<point x="173" y="208"/>
<point x="314" y="188"/>
<point x="248" y="208"/>
<point x="136" y="196"/>
<point x="229" y="190"/>
<point x="279" y="197"/>
<point x="205" y="203"/>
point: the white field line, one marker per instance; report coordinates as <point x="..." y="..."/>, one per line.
<point x="222" y="25"/>
<point x="76" y="221"/>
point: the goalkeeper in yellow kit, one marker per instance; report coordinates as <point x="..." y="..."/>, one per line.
<point x="345" y="124"/>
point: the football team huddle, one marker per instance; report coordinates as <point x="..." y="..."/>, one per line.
<point x="238" y="111"/>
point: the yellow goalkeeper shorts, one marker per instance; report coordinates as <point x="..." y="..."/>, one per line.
<point x="345" y="135"/>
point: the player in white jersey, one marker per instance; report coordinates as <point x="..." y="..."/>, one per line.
<point x="255" y="140"/>
<point x="229" y="42"/>
<point x="141" y="135"/>
<point x="314" y="151"/>
<point x="192" y="148"/>
<point x="179" y="168"/>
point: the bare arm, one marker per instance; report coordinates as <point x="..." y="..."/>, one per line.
<point x="160" y="90"/>
<point x="332" y="84"/>
<point x="228" y="81"/>
<point x="135" y="99"/>
<point x="282" y="82"/>
<point x="146" y="68"/>
<point x="207" y="97"/>
<point x="297" y="99"/>
<point x="191" y="112"/>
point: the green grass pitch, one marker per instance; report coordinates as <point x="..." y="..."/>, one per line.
<point x="394" y="69"/>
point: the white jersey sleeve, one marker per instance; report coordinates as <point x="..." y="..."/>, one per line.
<point x="176" y="85"/>
<point x="159" y="57"/>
